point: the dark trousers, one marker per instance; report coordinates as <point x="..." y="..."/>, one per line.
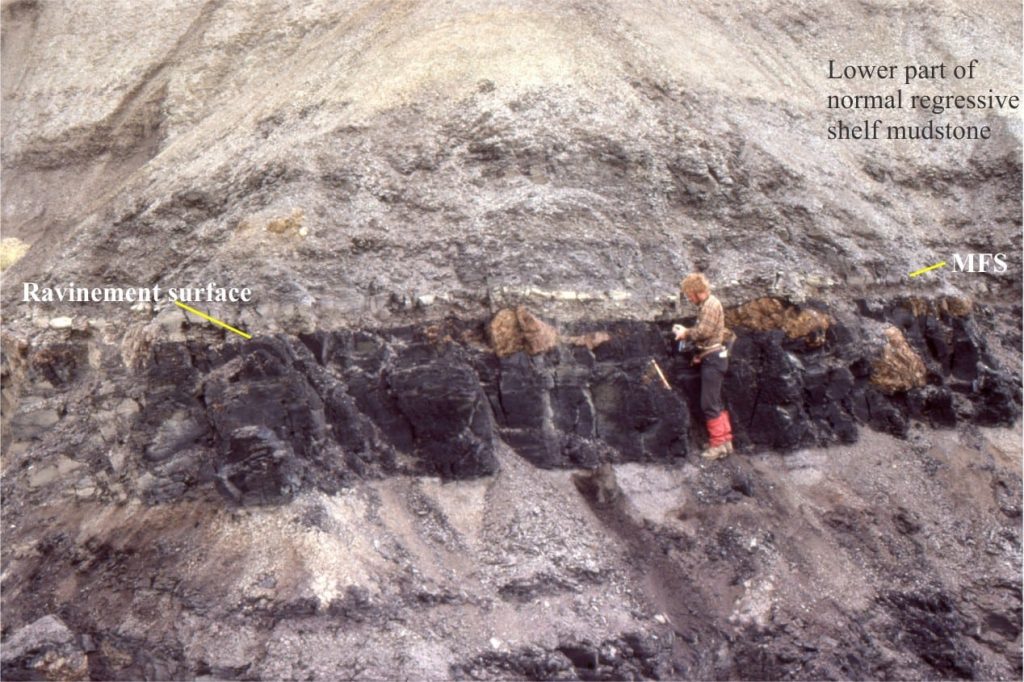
<point x="712" y="371"/>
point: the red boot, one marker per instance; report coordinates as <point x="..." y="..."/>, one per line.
<point x="726" y="430"/>
<point x="720" y="435"/>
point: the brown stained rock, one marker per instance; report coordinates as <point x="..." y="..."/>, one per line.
<point x="767" y="313"/>
<point x="899" y="368"/>
<point x="290" y="224"/>
<point x="918" y="306"/>
<point x="511" y="331"/>
<point x="539" y="337"/>
<point x="504" y="333"/>
<point x="591" y="339"/>
<point x="760" y="314"/>
<point x="955" y="306"/>
<point x="807" y="323"/>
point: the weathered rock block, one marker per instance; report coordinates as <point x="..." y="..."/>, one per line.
<point x="451" y="418"/>
<point x="259" y="468"/>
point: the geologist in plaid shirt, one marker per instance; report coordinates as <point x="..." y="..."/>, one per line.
<point x="709" y="336"/>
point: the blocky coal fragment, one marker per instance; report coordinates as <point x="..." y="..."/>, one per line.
<point x="259" y="468"/>
<point x="450" y="416"/>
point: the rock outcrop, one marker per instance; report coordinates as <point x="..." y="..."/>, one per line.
<point x="462" y="224"/>
<point x="563" y="156"/>
<point x="44" y="650"/>
<point x="271" y="417"/>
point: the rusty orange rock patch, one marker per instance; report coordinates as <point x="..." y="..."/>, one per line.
<point x="899" y="368"/>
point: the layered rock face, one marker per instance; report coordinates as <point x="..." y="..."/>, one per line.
<point x="265" y="419"/>
<point x="437" y="157"/>
<point x="446" y="452"/>
<point x="290" y="427"/>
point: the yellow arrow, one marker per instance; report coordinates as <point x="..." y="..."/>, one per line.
<point x="212" y="319"/>
<point x="915" y="273"/>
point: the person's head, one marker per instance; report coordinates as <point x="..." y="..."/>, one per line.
<point x="695" y="287"/>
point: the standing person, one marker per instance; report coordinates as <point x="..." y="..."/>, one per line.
<point x="709" y="336"/>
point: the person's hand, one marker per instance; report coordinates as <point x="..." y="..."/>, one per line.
<point x="680" y="332"/>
